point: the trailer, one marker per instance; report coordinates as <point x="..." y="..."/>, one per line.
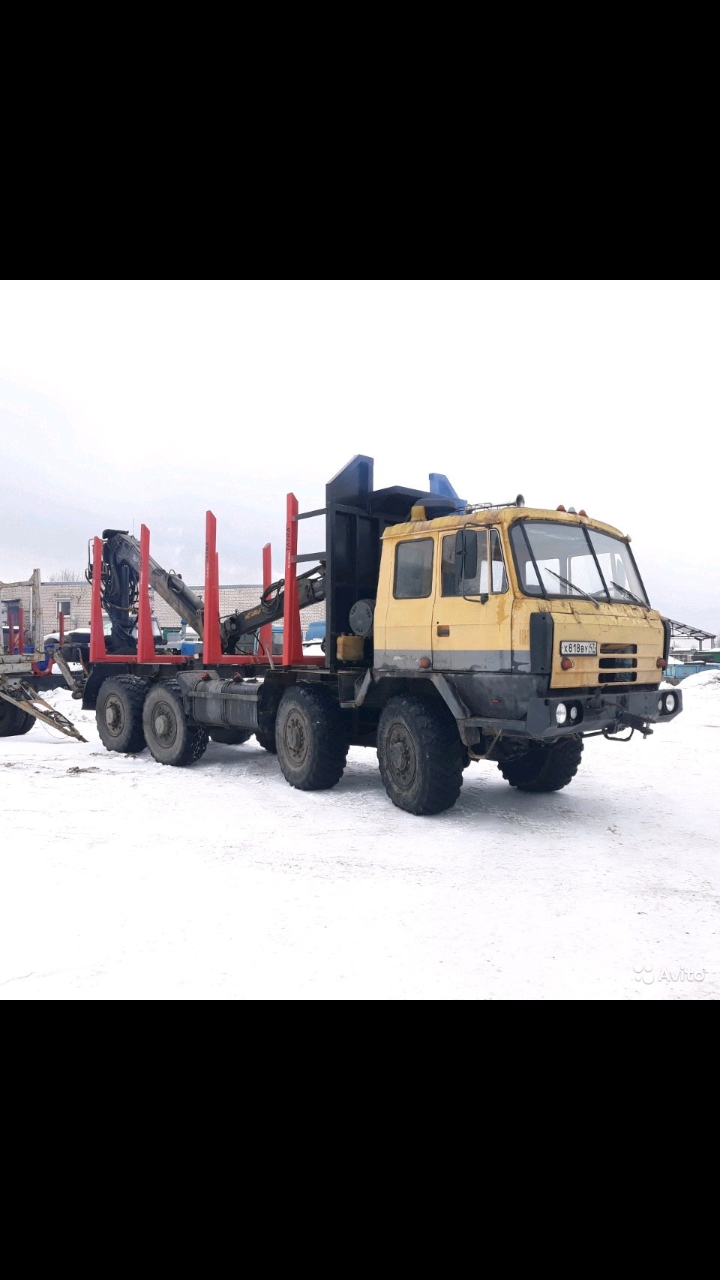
<point x="20" y="700"/>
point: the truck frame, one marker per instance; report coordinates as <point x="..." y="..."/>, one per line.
<point x="425" y="658"/>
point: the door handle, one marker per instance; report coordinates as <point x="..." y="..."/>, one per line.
<point x="442" y="631"/>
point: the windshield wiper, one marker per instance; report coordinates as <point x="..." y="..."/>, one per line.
<point x="568" y="583"/>
<point x="631" y="594"/>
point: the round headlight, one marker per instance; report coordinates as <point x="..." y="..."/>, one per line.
<point x="573" y="713"/>
<point x="670" y="701"/>
<point x="660" y="704"/>
<point x="561" y="713"/>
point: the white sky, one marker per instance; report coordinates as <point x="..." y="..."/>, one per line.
<point x="124" y="402"/>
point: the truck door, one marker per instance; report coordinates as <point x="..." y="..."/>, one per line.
<point x="406" y="636"/>
<point x="472" y="612"/>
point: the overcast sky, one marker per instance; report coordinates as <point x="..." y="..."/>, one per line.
<point x="129" y="402"/>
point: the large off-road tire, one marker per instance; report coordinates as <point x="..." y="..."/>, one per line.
<point x="548" y="766"/>
<point x="26" y="723"/>
<point x="420" y="756"/>
<point x="230" y="737"/>
<point x="119" y="713"/>
<point x="311" y="738"/>
<point x="13" y="720"/>
<point x="267" y="740"/>
<point x="171" y="737"/>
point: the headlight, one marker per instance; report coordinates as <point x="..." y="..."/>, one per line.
<point x="561" y="713"/>
<point x="660" y="705"/>
<point x="670" y="701"/>
<point x="573" y="713"/>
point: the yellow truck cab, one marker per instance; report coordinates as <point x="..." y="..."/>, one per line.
<point x="537" y="621"/>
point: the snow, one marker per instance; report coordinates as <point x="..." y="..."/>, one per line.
<point x="123" y="879"/>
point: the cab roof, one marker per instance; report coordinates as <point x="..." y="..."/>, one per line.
<point x="498" y="516"/>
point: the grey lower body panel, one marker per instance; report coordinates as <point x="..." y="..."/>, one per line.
<point x="446" y="660"/>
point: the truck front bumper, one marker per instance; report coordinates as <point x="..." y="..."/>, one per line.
<point x="584" y="713"/>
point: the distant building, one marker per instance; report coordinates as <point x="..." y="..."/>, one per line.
<point x="73" y="600"/>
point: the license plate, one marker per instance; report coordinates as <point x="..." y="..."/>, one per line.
<point x="578" y="648"/>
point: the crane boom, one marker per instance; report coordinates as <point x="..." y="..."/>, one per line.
<point x="120" y="582"/>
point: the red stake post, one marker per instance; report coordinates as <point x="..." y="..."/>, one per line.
<point x="266" y="631"/>
<point x="292" y="634"/>
<point x="145" y="642"/>
<point x="98" y="652"/>
<point x="212" y="649"/>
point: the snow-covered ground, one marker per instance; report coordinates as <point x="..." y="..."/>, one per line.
<point x="124" y="879"/>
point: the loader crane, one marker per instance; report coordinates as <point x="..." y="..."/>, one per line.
<point x="120" y="587"/>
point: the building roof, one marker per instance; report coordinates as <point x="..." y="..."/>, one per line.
<point x="688" y="630"/>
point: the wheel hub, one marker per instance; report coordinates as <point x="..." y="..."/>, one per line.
<point x="114" y="715"/>
<point x="295" y="739"/>
<point x="164" y="726"/>
<point x="401" y="756"/>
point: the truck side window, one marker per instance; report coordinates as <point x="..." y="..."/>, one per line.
<point x="451" y="584"/>
<point x="413" y="569"/>
<point x="499" y="576"/>
<point x="525" y="567"/>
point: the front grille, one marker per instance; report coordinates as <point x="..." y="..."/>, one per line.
<point x="617" y="663"/>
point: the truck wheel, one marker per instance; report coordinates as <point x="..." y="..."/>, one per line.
<point x="168" y="733"/>
<point x="547" y="766"/>
<point x="310" y="737"/>
<point x="27" y="722"/>
<point x="230" y="737"/>
<point x="420" y="756"/>
<point x="13" y="720"/>
<point x="267" y="740"/>
<point x="119" y="713"/>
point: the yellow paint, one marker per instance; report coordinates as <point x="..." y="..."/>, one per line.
<point x="501" y="516"/>
<point x="503" y="623"/>
<point x="405" y="625"/>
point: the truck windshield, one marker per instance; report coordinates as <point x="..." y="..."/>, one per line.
<point x="555" y="559"/>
